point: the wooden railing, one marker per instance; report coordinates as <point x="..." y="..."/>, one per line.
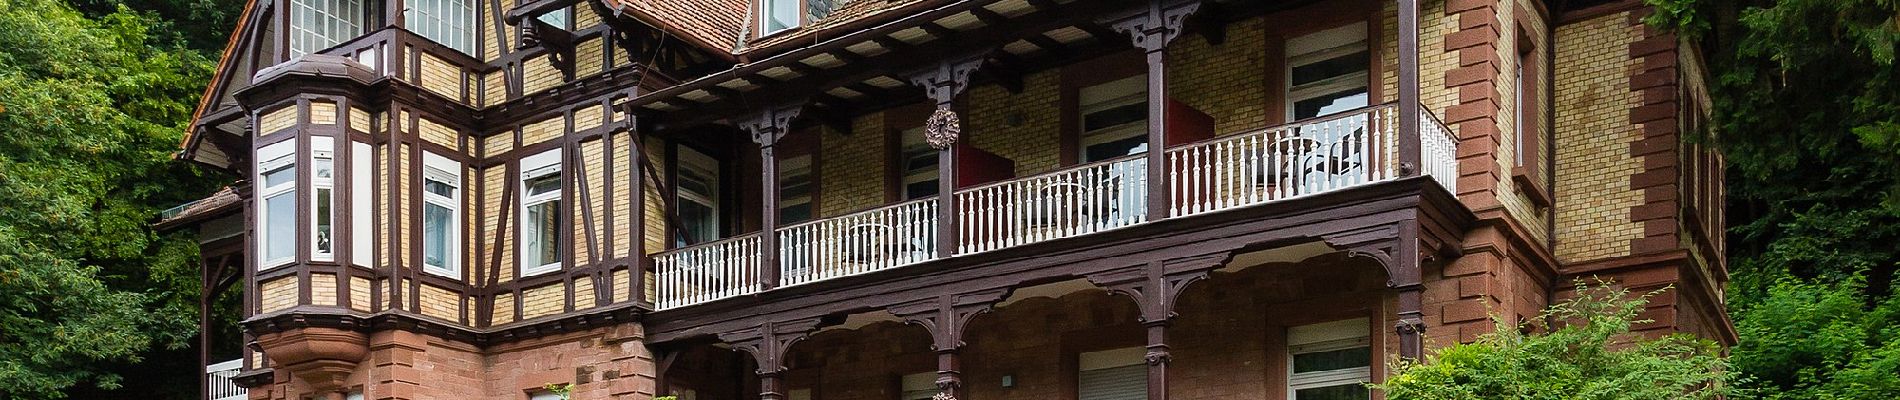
<point x="1308" y="157"/>
<point x="707" y="272"/>
<point x="1075" y="201"/>
<point x="883" y="238"/>
<point x="218" y="384"/>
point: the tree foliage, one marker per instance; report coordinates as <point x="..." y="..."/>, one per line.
<point x="1595" y="357"/>
<point x="1809" y="114"/>
<point x="91" y="110"/>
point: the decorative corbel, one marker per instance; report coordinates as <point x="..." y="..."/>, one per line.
<point x="767" y="344"/>
<point x="945" y="318"/>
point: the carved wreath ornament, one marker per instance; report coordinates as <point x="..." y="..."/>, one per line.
<point x="942" y="129"/>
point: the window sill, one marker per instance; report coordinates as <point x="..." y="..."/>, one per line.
<point x="541" y="270"/>
<point x="1531" y="187"/>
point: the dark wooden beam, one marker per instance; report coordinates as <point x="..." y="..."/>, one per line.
<point x="989" y="18"/>
<point x="890" y="43"/>
<point x="804" y="69"/>
<point x="1006" y="70"/>
<point x="1050" y="45"/>
<point x="847" y="56"/>
<point x="938" y="31"/>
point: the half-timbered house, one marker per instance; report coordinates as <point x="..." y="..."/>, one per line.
<point x="916" y="199"/>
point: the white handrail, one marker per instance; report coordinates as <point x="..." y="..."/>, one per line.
<point x="218" y="384"/>
<point x="1076" y="201"/>
<point x="1340" y="151"/>
<point x="887" y="237"/>
<point x="1438" y="150"/>
<point x="707" y="272"/>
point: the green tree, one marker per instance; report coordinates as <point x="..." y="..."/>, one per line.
<point x="1809" y="114"/>
<point x="91" y="110"/>
<point x="1593" y="356"/>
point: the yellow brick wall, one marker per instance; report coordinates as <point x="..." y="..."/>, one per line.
<point x="539" y="74"/>
<point x="1593" y="136"/>
<point x="1033" y="142"/>
<point x="583" y="293"/>
<point x="587" y="56"/>
<point x="588" y="196"/>
<point x="1225" y="81"/>
<point x="436" y="133"/>
<point x="543" y="130"/>
<point x="495" y="181"/>
<point x="440" y="77"/>
<point x="359" y="120"/>
<point x="323" y="289"/>
<point x="359" y="294"/>
<point x="438" y="302"/>
<point x="542" y="300"/>
<point x="620" y="282"/>
<point x="322" y="113"/>
<point x="277" y="294"/>
<point x="504" y="308"/>
<point x="851" y="171"/>
<point x="623" y="196"/>
<point x="277" y="120"/>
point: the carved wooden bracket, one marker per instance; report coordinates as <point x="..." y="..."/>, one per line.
<point x="1154" y="28"/>
<point x="947" y="80"/>
<point x="945" y="317"/>
<point x="1155" y="286"/>
<point x="772" y="124"/>
<point x="767" y="344"/>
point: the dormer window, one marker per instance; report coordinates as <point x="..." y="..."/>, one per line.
<point x="319" y="24"/>
<point x="449" y="22"/>
<point x="778" y="15"/>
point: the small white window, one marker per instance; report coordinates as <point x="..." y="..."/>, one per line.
<point x="1114" y="119"/>
<point x="1327" y="72"/>
<point x="1330" y="361"/>
<point x="920" y="165"/>
<point x="918" y="386"/>
<point x="541" y="219"/>
<point x="544" y="396"/>
<point x="361" y="206"/>
<point x="323" y="184"/>
<point x="319" y="24"/>
<point x="697" y="180"/>
<point x="1118" y="374"/>
<point x="441" y="215"/>
<point x="778" y="15"/>
<point x="277" y="204"/>
<point x="795" y="189"/>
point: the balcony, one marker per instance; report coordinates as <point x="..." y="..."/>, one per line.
<point x="1305" y="158"/>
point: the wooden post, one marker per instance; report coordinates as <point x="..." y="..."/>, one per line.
<point x="1151" y="30"/>
<point x="1154" y="286"/>
<point x="1408" y="106"/>
<point x="943" y="83"/>
<point x="945" y="317"/>
<point x="767" y="344"/>
<point x="766" y="130"/>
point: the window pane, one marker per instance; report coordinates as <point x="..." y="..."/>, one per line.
<point x="280" y="226"/>
<point x="1331" y="68"/>
<point x="323" y="170"/>
<point x="543" y="241"/>
<point x="1330" y="104"/>
<point x="279" y="176"/>
<point x="1132" y="145"/>
<point x="1353" y="391"/>
<point x="557" y="19"/>
<point x="1127" y="113"/>
<point x="435" y="235"/>
<point x="700" y="224"/>
<point x="1332" y="360"/>
<point x="323" y="220"/>
<point x="447" y="22"/>
<point x="920" y="189"/>
<point x="782" y="14"/>
<point x="439" y="188"/>
<point x="544" y="184"/>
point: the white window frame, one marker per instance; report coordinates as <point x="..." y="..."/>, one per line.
<point x="337" y="21"/>
<point x="442" y="169"/>
<point x="272" y="157"/>
<point x="912" y="146"/>
<point x="449" y="22"/>
<point x="532" y="167"/>
<point x="1323" y="337"/>
<point x="690" y="159"/>
<point x="765" y="16"/>
<point x="322" y="148"/>
<point x="1107" y="96"/>
<point x="1323" y="46"/>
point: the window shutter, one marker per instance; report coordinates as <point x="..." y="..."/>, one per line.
<point x="1117" y="383"/>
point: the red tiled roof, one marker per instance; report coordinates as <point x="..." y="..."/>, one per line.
<point x="850" y="11"/>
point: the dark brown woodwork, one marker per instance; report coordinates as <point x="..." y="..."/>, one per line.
<point x="1151" y="30"/>
<point x="942" y="84"/>
<point x="766" y="129"/>
<point x="1155" y="286"/>
<point x="1409" y="105"/>
<point x="767" y="344"/>
<point x="945" y="317"/>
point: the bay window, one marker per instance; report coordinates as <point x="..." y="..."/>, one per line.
<point x="1327" y="72"/>
<point x="323" y="183"/>
<point x="277" y="204"/>
<point x="449" y="22"/>
<point x="697" y="185"/>
<point x="1330" y="361"/>
<point x="1114" y="119"/>
<point x="441" y="215"/>
<point x="541" y="219"/>
<point x="319" y="24"/>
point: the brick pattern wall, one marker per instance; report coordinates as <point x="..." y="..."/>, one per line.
<point x="1593" y="138"/>
<point x="1655" y="83"/>
<point x="1022" y="127"/>
<point x="851" y="170"/>
<point x="1227" y="81"/>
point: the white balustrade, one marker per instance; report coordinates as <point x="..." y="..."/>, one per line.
<point x="1304" y="158"/>
<point x="707" y="272"/>
<point x="1438" y="150"/>
<point x="1076" y="201"/>
<point x="873" y="240"/>
<point x="218" y="382"/>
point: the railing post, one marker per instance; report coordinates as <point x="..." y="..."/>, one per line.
<point x="766" y="130"/>
<point x="1408" y="107"/>
<point x="943" y="83"/>
<point x="1151" y="30"/>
